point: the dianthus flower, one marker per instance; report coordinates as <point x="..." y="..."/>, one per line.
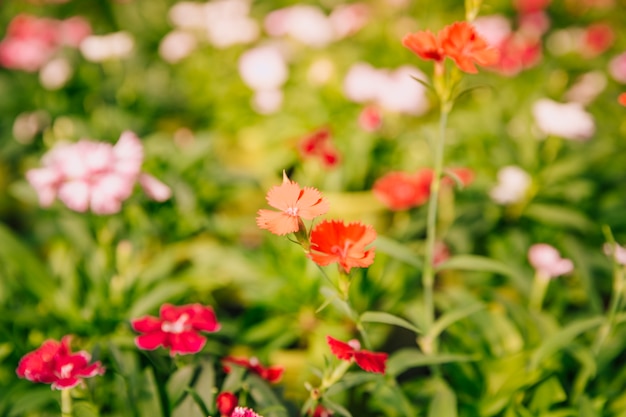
<point x="548" y="262"/>
<point x="226" y="403"/>
<point x="177" y="328"/>
<point x="94" y="175"/>
<point x="335" y="241"/>
<point x="271" y="374"/>
<point x="54" y="363"/>
<point x="318" y="144"/>
<point x="244" y="412"/>
<point x="367" y="360"/>
<point x="294" y="203"/>
<point x="459" y="41"/>
<point x="320" y="411"/>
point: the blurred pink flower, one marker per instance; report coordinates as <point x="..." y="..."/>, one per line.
<point x="100" y="48"/>
<point x="54" y="363"/>
<point x="177" y="328"/>
<point x="513" y="184"/>
<point x="617" y="68"/>
<point x="348" y="19"/>
<point x="263" y="68"/>
<point x="305" y="23"/>
<point x="244" y="412"/>
<point x="587" y="87"/>
<point x="94" y="175"/>
<point x="548" y="262"/>
<point x="596" y="39"/>
<point x="177" y="45"/>
<point x="616" y="251"/>
<point x="567" y="120"/>
<point x="370" y="119"/>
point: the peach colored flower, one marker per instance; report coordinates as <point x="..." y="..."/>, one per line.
<point x="335" y="241"/>
<point x="294" y="203"/>
<point x="461" y="42"/>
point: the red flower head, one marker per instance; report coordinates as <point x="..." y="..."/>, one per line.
<point x="334" y="241"/>
<point x="368" y="361"/>
<point x="244" y="412"/>
<point x="176" y="328"/>
<point x="271" y="374"/>
<point x="401" y="190"/>
<point x="294" y="203"/>
<point x="370" y="119"/>
<point x="320" y="411"/>
<point x="622" y="99"/>
<point x="318" y="144"/>
<point x="425" y="45"/>
<point x="54" y="363"/>
<point x="465" y="46"/>
<point x="226" y="403"/>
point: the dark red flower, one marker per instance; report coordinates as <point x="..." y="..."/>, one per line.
<point x="318" y="144"/>
<point x="54" y="363"/>
<point x="176" y="328"/>
<point x="226" y="403"/>
<point x="320" y="411"/>
<point x="271" y="374"/>
<point x="367" y="360"/>
<point x="335" y="241"/>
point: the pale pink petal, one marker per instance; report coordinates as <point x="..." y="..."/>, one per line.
<point x="75" y="195"/>
<point x="128" y="153"/>
<point x="154" y="188"/>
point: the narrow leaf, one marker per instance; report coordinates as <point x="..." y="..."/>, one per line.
<point x="443" y="402"/>
<point x="386" y="318"/>
<point x="452" y="317"/>
<point x="397" y="251"/>
<point x="476" y="263"/>
<point x="409" y="358"/>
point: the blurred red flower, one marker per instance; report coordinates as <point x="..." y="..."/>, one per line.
<point x="271" y="374"/>
<point x="367" y="360"/>
<point x="320" y="411"/>
<point x="177" y="328"/>
<point x="318" y="144"/>
<point x="54" y="363"/>
<point x="622" y="99"/>
<point x="425" y="44"/>
<point x="226" y="403"/>
<point x="294" y="203"/>
<point x="335" y="241"/>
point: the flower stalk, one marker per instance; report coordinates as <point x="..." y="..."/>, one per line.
<point x="66" y="403"/>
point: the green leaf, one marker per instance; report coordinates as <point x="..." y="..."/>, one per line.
<point x="450" y="318"/>
<point x="397" y="251"/>
<point x="187" y="408"/>
<point x="562" y="338"/>
<point x="476" y="263"/>
<point x="152" y="299"/>
<point x="179" y="382"/>
<point x="443" y="402"/>
<point x="409" y="358"/>
<point x="205" y="384"/>
<point x="560" y="216"/>
<point x="387" y="318"/>
<point x="585" y="408"/>
<point x="351" y="380"/>
<point x="331" y="405"/>
<point x="84" y="409"/>
<point x="549" y="392"/>
<point x="148" y="403"/>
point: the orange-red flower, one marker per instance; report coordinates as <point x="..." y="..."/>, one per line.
<point x="425" y="44"/>
<point x="402" y="190"/>
<point x="294" y="203"/>
<point x="465" y="46"/>
<point x="334" y="241"/>
<point x="622" y="99"/>
<point x="459" y="41"/>
<point x="367" y="360"/>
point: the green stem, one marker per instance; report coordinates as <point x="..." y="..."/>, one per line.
<point x="66" y="403"/>
<point x="538" y="292"/>
<point x="614" y="306"/>
<point x="428" y="278"/>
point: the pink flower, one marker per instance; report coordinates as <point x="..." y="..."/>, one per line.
<point x="54" y="363"/>
<point x="367" y="360"/>
<point x="617" y="252"/>
<point x="370" y="119"/>
<point x="548" y="262"/>
<point x="617" y="68"/>
<point x="244" y="412"/>
<point x="177" y="328"/>
<point x="567" y="120"/>
<point x="94" y="176"/>
<point x="271" y="374"/>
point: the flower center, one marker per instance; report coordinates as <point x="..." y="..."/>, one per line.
<point x="292" y="211"/>
<point x="66" y="371"/>
<point x="178" y="326"/>
<point x="341" y="252"/>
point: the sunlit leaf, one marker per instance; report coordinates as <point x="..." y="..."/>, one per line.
<point x="387" y="318"/>
<point x="408" y="358"/>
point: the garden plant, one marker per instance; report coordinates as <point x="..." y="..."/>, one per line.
<point x="270" y="208"/>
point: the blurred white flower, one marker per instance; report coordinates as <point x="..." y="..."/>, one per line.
<point x="513" y="183"/>
<point x="55" y="74"/>
<point x="228" y="23"/>
<point x="567" y="120"/>
<point x="548" y="262"/>
<point x="587" y="88"/>
<point x="305" y="23"/>
<point x="177" y="45"/>
<point x="28" y="124"/>
<point x="267" y="101"/>
<point x="263" y="68"/>
<point x="394" y="90"/>
<point x="188" y="15"/>
<point x="104" y="47"/>
<point x="494" y="29"/>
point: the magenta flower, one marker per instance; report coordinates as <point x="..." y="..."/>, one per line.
<point x="94" y="176"/>
<point x="244" y="412"/>
<point x="54" y="363"/>
<point x="177" y="328"/>
<point x="548" y="262"/>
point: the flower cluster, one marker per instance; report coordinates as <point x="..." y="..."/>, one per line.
<point x="95" y="176"/>
<point x="459" y="41"/>
<point x="330" y="241"/>
<point x="54" y="363"/>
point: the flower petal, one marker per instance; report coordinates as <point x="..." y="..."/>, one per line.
<point x="371" y="361"/>
<point x="340" y="349"/>
<point x="151" y="341"/>
<point x="277" y="222"/>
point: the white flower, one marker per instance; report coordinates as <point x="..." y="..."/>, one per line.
<point x="263" y="68"/>
<point x="307" y="24"/>
<point x="111" y="46"/>
<point x="513" y="183"/>
<point x="177" y="45"/>
<point x="55" y="74"/>
<point x="567" y="120"/>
